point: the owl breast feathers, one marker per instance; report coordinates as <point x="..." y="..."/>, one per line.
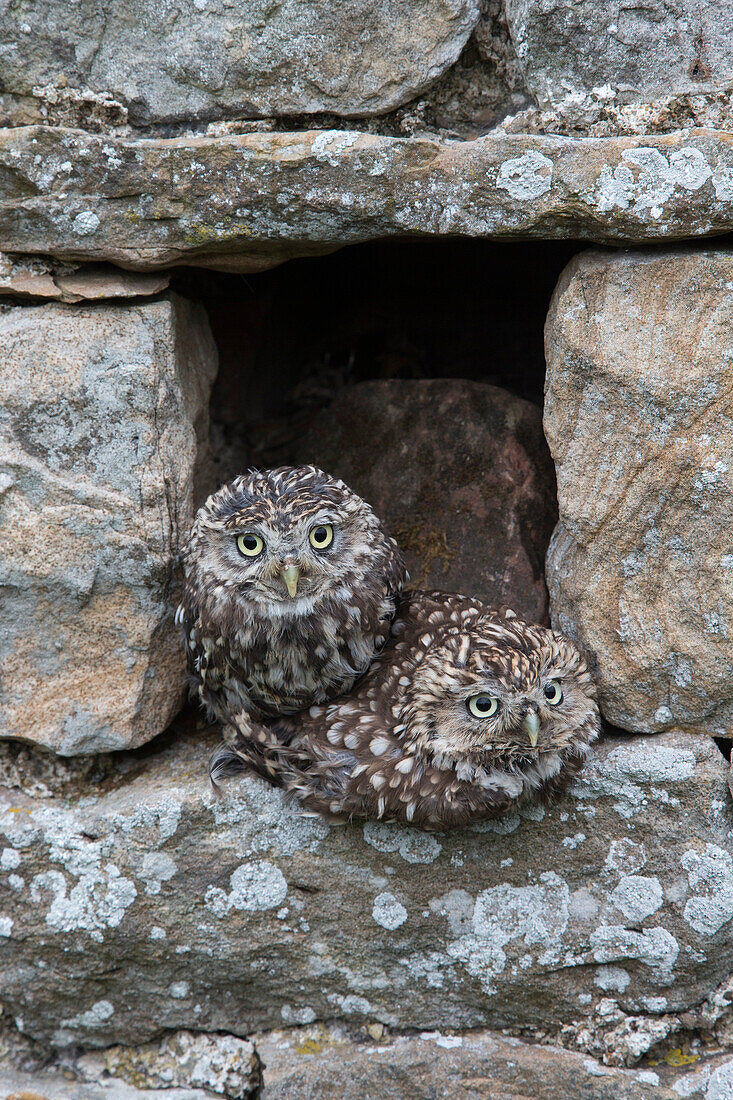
<point x="290" y="588"/>
<point x="464" y="714"/>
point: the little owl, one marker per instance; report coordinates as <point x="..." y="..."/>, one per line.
<point x="464" y="714"/>
<point x="291" y="585"/>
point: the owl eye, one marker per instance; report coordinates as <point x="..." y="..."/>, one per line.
<point x="321" y="536"/>
<point x="482" y="706"/>
<point x="553" y="693"/>
<point x="250" y="545"/>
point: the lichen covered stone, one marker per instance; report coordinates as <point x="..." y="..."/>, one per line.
<point x="638" y="418"/>
<point x="103" y="415"/>
<point x="150" y="905"/>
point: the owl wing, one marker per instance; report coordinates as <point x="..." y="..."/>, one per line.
<point x="217" y="680"/>
<point x="395" y="571"/>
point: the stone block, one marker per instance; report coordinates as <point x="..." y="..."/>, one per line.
<point x="638" y="416"/>
<point x="103" y="412"/>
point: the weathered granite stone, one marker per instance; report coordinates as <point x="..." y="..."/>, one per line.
<point x="252" y="60"/>
<point x="102" y="409"/>
<point x="638" y="416"/>
<point x="643" y="50"/>
<point x="479" y="1065"/>
<point x="148" y="905"/>
<point x="251" y="201"/>
<point x="460" y="473"/>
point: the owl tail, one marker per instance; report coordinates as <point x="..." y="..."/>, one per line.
<point x="249" y="746"/>
<point x="225" y="763"/>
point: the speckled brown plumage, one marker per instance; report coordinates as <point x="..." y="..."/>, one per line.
<point x="405" y="746"/>
<point x="252" y="643"/>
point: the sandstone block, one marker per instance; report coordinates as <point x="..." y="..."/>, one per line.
<point x="641" y="50"/>
<point x="215" y="60"/>
<point x="247" y="202"/>
<point x="102" y="411"/>
<point x="638" y="416"/>
<point x="480" y="1065"/>
<point x="460" y="473"/>
<point x="147" y="905"/>
<point x="32" y="277"/>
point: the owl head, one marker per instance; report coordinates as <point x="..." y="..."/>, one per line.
<point x="281" y="541"/>
<point x="500" y="693"/>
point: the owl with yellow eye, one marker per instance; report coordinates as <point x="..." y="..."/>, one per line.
<point x="291" y="585"/>
<point x="465" y="714"/>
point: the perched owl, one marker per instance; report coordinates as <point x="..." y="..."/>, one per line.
<point x="291" y="585"/>
<point x="465" y="713"/>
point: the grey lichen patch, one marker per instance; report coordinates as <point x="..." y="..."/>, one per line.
<point x="526" y="177"/>
<point x="412" y="845"/>
<point x="388" y="912"/>
<point x="82" y="889"/>
<point x="258" y="819"/>
<point x="627" y="772"/>
<point x="637" y="897"/>
<point x="646" y="179"/>
<point x="654" y="947"/>
<point x="710" y="874"/>
<point x="156" y="868"/>
<point x="611" y="978"/>
<point x="536" y="915"/>
<point x="255" y="886"/>
<point x="73" y="1030"/>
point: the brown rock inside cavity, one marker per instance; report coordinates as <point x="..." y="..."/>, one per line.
<point x="461" y="475"/>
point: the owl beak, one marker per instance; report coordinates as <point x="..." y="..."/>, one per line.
<point x="531" y="726"/>
<point x="290" y="574"/>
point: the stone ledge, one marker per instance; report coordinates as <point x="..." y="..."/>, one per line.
<point x="334" y="1063"/>
<point x="248" y="202"/>
<point x="150" y="906"/>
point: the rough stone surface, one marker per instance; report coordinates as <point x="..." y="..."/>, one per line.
<point x="252" y="60"/>
<point x="459" y="472"/>
<point x="31" y="277"/>
<point x="477" y="1066"/>
<point x="222" y="1064"/>
<point x="643" y="50"/>
<point x="52" y="1084"/>
<point x="148" y="905"/>
<point x="248" y="202"/>
<point x="638" y="416"/>
<point x="102" y="412"/>
<point x="331" y="1062"/>
<point x="604" y="112"/>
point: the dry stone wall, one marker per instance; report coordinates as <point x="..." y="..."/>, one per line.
<point x="159" y="942"/>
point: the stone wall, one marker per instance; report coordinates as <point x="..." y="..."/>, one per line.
<point x="160" y="943"/>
